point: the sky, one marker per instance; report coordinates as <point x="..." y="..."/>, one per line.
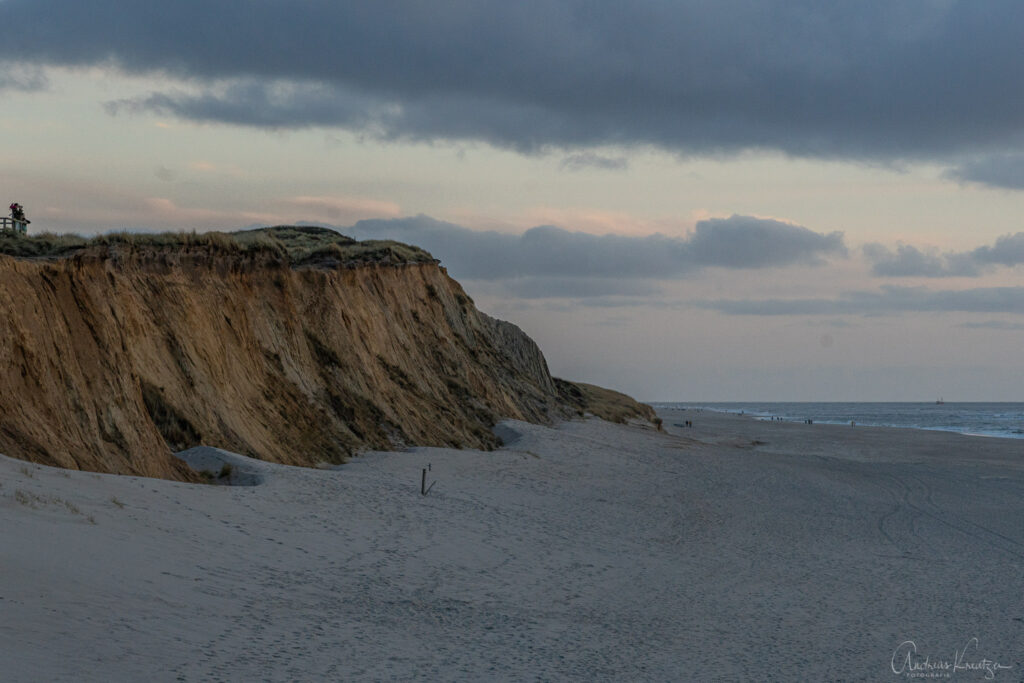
<point x="685" y="200"/>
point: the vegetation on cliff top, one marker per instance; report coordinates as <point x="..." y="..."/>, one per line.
<point x="299" y="245"/>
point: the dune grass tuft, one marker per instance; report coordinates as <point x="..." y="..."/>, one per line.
<point x="298" y="244"/>
<point x="606" y="404"/>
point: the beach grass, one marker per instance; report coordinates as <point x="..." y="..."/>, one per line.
<point x="299" y="245"/>
<point x="606" y="404"/>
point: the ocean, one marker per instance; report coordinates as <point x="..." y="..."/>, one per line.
<point x="1004" y="420"/>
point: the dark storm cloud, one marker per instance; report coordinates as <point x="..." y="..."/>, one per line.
<point x="583" y="160"/>
<point x="550" y="261"/>
<point x="997" y="170"/>
<point x="249" y="102"/>
<point x="887" y="300"/>
<point x="21" y="77"/>
<point x="909" y="261"/>
<point x="872" y="79"/>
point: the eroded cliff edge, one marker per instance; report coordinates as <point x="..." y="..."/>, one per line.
<point x="116" y="354"/>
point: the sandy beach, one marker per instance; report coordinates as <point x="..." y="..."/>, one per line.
<point x="734" y="550"/>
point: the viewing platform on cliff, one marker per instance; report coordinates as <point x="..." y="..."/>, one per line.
<point x="12" y="226"/>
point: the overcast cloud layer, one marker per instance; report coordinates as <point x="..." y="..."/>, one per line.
<point x="872" y="79"/>
<point x="996" y="170"/>
<point x="616" y="270"/>
<point x="550" y="261"/>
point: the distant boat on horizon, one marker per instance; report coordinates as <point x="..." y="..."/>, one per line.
<point x="940" y="402"/>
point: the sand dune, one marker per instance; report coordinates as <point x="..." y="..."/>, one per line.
<point x="589" y="551"/>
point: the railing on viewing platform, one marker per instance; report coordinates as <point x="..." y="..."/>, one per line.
<point x="12" y="226"/>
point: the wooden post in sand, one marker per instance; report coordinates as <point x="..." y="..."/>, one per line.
<point x="423" y="483"/>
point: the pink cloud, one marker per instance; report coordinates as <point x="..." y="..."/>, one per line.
<point x="603" y="222"/>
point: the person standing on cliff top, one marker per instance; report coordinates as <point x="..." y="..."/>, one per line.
<point x="18" y="213"/>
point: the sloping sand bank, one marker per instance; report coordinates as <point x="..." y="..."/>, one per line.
<point x="590" y="552"/>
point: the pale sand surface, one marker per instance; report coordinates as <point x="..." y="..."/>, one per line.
<point x="586" y="552"/>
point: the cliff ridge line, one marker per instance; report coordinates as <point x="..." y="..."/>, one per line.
<point x="292" y="345"/>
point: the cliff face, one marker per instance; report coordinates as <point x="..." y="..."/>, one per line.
<point x="116" y="355"/>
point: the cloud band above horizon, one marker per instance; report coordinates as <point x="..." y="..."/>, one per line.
<point x="869" y="80"/>
<point x="545" y="259"/>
